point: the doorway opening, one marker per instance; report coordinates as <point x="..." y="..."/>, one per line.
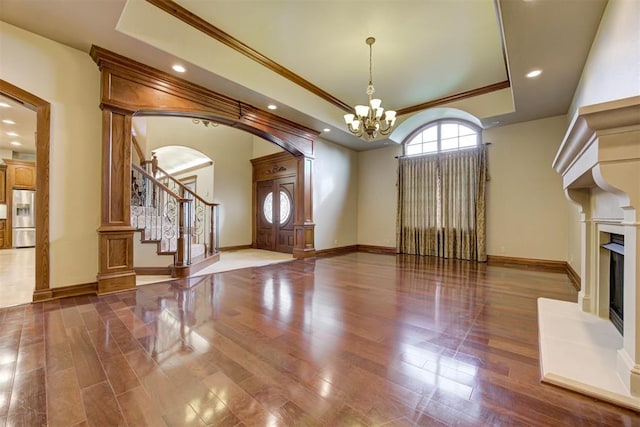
<point x="24" y="246"/>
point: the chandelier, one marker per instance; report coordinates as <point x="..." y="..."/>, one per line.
<point x="206" y="123"/>
<point x="368" y="119"/>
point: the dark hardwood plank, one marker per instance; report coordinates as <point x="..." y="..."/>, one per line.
<point x="65" y="407"/>
<point x="28" y="405"/>
<point x="101" y="406"/>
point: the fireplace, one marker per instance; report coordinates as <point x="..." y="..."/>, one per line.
<point x="593" y="346"/>
<point x="616" y="281"/>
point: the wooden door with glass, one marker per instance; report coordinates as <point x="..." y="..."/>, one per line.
<point x="275" y="214"/>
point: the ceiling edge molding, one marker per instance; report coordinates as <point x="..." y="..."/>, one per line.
<point x="183" y="14"/>
<point x="455" y="97"/>
<point x="503" y="42"/>
<point x="216" y="33"/>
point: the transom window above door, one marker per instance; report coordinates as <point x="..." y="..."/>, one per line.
<point x="443" y="135"/>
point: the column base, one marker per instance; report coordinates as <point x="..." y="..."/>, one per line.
<point x="109" y="283"/>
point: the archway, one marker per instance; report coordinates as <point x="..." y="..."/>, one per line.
<point x="129" y="88"/>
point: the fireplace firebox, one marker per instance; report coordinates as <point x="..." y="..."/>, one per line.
<point x="616" y="281"/>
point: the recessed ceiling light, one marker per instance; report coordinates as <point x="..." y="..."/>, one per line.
<point x="326" y="130"/>
<point x="179" y="68"/>
<point x="16" y="143"/>
<point x="534" y="73"/>
<point x="12" y="134"/>
<point x="4" y="105"/>
<point x="8" y="122"/>
<point x="272" y="107"/>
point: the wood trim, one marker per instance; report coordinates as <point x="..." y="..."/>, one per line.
<point x="575" y="277"/>
<point x="274" y="166"/>
<point x="184" y="271"/>
<point x="67" y="291"/>
<point x="386" y="250"/>
<point x="498" y="11"/>
<point x="43" y="134"/>
<point x="455" y="97"/>
<point x="153" y="271"/>
<point x="132" y="87"/>
<point x="179" y="12"/>
<point x="541" y="264"/>
<point x="235" y="248"/>
<point x="336" y="251"/>
<point x="19" y="162"/>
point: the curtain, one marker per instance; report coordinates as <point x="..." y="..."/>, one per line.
<point x="441" y="205"/>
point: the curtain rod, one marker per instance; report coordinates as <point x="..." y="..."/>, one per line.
<point x="440" y="152"/>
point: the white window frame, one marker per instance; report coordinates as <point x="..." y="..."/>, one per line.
<point x="438" y="124"/>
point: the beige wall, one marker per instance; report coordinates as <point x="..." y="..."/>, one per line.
<point x="612" y="71"/>
<point x="262" y="147"/>
<point x="335" y="196"/>
<point x="377" y="196"/>
<point x="70" y="81"/>
<point x="204" y="181"/>
<point x="526" y="208"/>
<point x="231" y="150"/>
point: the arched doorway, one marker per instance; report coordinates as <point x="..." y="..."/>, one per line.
<point x="132" y="88"/>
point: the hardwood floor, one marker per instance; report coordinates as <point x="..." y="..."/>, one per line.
<point x="357" y="339"/>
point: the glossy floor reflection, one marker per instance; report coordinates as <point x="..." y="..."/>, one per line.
<point x="358" y="339"/>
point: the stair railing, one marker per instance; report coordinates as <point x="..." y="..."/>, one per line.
<point x="201" y="223"/>
<point x="161" y="214"/>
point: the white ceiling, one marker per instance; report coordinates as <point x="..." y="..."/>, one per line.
<point x="24" y="126"/>
<point x="425" y="50"/>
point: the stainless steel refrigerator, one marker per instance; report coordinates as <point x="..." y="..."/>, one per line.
<point x="23" y="219"/>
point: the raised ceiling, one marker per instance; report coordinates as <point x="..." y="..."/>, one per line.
<point x="426" y="50"/>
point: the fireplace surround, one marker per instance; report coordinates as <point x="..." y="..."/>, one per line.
<point x="599" y="161"/>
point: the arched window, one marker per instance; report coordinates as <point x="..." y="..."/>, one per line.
<point x="442" y="135"/>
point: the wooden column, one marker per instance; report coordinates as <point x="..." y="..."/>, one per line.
<point x="116" y="271"/>
<point x="304" y="226"/>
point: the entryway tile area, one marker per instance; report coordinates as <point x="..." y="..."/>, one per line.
<point x="17" y="276"/>
<point x="229" y="260"/>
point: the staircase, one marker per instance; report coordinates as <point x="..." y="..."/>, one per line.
<point x="171" y="216"/>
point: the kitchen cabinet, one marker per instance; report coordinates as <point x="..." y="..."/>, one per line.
<point x="3" y="230"/>
<point x="21" y="174"/>
<point x="3" y="185"/>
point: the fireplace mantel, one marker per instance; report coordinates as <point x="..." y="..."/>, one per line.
<point x="600" y="155"/>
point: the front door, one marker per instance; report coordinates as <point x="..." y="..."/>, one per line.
<point x="275" y="214"/>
